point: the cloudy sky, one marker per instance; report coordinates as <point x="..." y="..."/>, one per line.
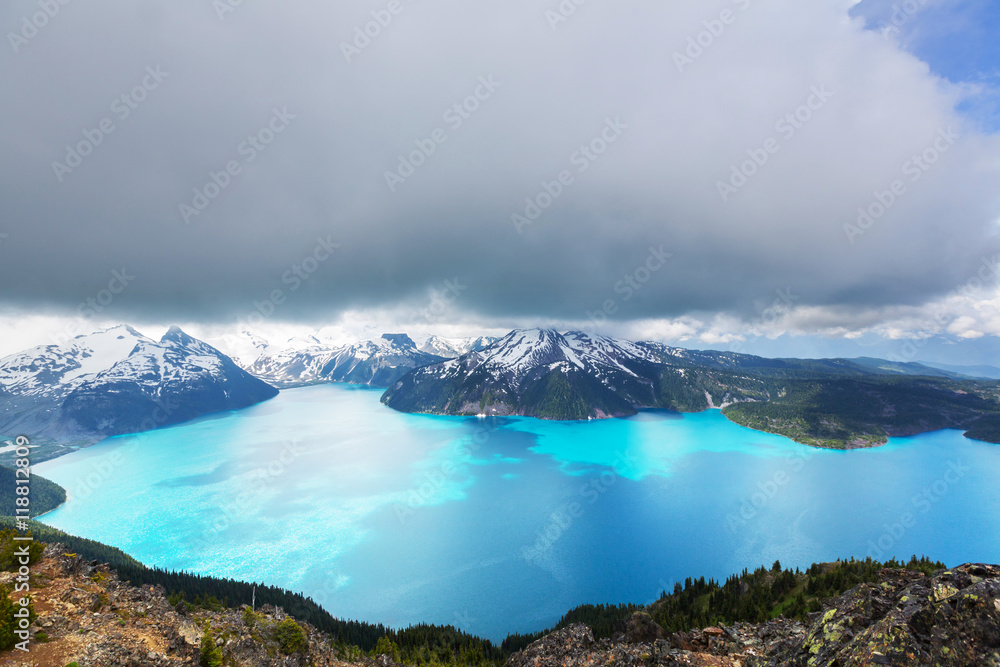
<point x="768" y="175"/>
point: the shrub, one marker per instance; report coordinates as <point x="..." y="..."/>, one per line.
<point x="290" y="636"/>
<point x="8" y="621"/>
<point x="211" y="655"/>
<point x="8" y="561"/>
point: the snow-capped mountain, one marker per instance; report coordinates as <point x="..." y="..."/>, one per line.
<point x="243" y="348"/>
<point x="537" y="372"/>
<point x="455" y="347"/>
<point x="543" y="373"/>
<point x="53" y="370"/>
<point x="379" y="362"/>
<point x="118" y="381"/>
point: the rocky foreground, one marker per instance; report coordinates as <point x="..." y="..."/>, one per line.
<point x="952" y="618"/>
<point x="88" y="616"/>
<point x="907" y="618"/>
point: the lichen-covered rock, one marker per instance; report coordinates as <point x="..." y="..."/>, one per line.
<point x="906" y="619"/>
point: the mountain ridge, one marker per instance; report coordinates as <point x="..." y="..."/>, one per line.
<point x="828" y="402"/>
<point x="117" y="381"/>
<point x="378" y="362"/>
<point x="63" y="393"/>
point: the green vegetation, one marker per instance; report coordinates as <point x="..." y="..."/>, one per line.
<point x="9" y="607"/>
<point x="9" y="562"/>
<point x="89" y="549"/>
<point x="604" y="619"/>
<point x="211" y="655"/>
<point x="555" y="398"/>
<point x="834" y="403"/>
<point x="764" y="594"/>
<point x="751" y="597"/>
<point x="45" y="495"/>
<point x="986" y="429"/>
<point x="445" y="645"/>
<point x="290" y="637"/>
<point x="846" y="412"/>
<point x="387" y="647"/>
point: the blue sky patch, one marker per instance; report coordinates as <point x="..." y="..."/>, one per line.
<point x="958" y="39"/>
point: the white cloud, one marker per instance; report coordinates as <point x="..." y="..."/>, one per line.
<point x="687" y="131"/>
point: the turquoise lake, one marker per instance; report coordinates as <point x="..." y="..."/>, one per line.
<point x="502" y="525"/>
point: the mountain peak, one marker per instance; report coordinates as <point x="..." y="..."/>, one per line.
<point x="120" y="329"/>
<point x="455" y="347"/>
<point x="109" y="382"/>
<point x="400" y="339"/>
<point x="536" y="332"/>
<point x="176" y="334"/>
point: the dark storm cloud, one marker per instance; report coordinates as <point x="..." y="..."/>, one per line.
<point x="232" y="150"/>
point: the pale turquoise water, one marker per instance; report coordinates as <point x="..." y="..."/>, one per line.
<point x="502" y="525"/>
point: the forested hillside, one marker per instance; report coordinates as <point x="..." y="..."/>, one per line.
<point x="45" y="495"/>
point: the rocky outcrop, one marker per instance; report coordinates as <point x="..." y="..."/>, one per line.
<point x="575" y="646"/>
<point x="88" y="616"/>
<point x="906" y="619"/>
<point x="951" y="618"/>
